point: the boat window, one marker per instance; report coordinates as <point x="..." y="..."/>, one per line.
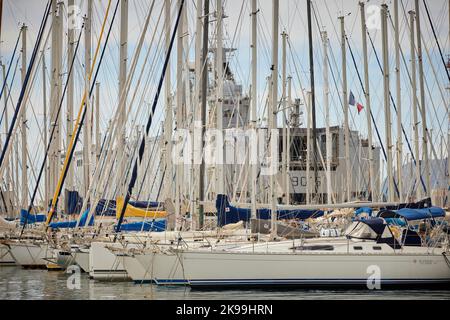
<point x="357" y="248"/>
<point x="311" y="248"/>
<point x="376" y="248"/>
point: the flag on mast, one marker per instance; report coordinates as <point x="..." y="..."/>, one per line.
<point x="351" y="100"/>
<point x="360" y="107"/>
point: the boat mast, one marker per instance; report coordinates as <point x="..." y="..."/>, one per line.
<point x="313" y="101"/>
<point x="23" y="120"/>
<point x="123" y="58"/>
<point x="220" y="180"/>
<point x="345" y="104"/>
<point x="387" y="106"/>
<point x="373" y="189"/>
<point x="285" y="178"/>
<point x="273" y="113"/>
<point x="398" y="102"/>
<point x="254" y="97"/>
<point x="54" y="101"/>
<point x="70" y="91"/>
<point x="8" y="163"/>
<point x="44" y="103"/>
<point x="204" y="94"/>
<point x="414" y="105"/>
<point x="179" y="111"/>
<point x="87" y="133"/>
<point x="422" y="102"/>
<point x="326" y="93"/>
<point x="288" y="150"/>
<point x="98" y="137"/>
<point x="197" y="115"/>
<point x="308" y="149"/>
<point x="168" y="122"/>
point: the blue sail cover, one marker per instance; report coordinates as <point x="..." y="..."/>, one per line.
<point x="158" y="225"/>
<point x="72" y="224"/>
<point x="363" y="210"/>
<point x="421" y="214"/>
<point x="412" y="214"/>
<point x="32" y="218"/>
<point x="227" y="214"/>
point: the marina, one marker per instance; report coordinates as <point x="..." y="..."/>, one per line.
<point x="217" y="149"/>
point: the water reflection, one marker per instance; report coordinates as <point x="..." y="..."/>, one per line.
<point x="19" y="284"/>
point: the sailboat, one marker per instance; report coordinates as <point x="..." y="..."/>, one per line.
<point x="369" y="252"/>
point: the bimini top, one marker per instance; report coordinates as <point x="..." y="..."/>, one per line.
<point x="413" y="214"/>
<point x="372" y="229"/>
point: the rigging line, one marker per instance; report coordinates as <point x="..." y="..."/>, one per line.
<point x="427" y="86"/>
<point x="26" y="80"/>
<point x="149" y="122"/>
<point x="148" y="164"/>
<point x="335" y="83"/>
<point x="9" y="67"/>
<point x="9" y="91"/>
<point x="371" y="115"/>
<point x="435" y="38"/>
<point x="395" y="108"/>
<point x="82" y="111"/>
<point x="44" y="161"/>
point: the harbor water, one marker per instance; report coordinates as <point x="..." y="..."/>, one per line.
<point x="20" y="284"/>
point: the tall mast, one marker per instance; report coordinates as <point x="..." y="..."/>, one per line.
<point x="387" y="106"/>
<point x="220" y="181"/>
<point x="373" y="188"/>
<point x="179" y="112"/>
<point x="313" y="100"/>
<point x="326" y="93"/>
<point x="254" y="98"/>
<point x="123" y="58"/>
<point x="70" y="92"/>
<point x="345" y="104"/>
<point x="54" y="94"/>
<point x="285" y="178"/>
<point x="422" y="102"/>
<point x="168" y="122"/>
<point x="414" y="106"/>
<point x="204" y="93"/>
<point x="44" y="103"/>
<point x="273" y="111"/>
<point x="98" y="137"/>
<point x="8" y="163"/>
<point x="398" y="102"/>
<point x="308" y="149"/>
<point x="196" y="114"/>
<point x="288" y="150"/>
<point x="23" y="120"/>
<point x="87" y="133"/>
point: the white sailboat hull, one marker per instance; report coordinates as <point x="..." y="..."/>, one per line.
<point x="136" y="270"/>
<point x="82" y="259"/>
<point x="30" y="255"/>
<point x="261" y="269"/>
<point x="105" y="265"/>
<point x="162" y="268"/>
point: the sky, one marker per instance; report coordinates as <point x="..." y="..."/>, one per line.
<point x="237" y="34"/>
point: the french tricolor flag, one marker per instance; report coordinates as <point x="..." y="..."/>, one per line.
<point x="352" y="102"/>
